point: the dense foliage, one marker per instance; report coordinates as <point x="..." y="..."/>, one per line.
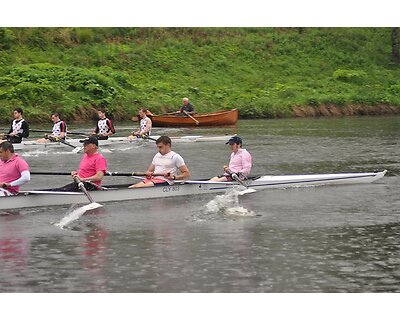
<point x="264" y="72"/>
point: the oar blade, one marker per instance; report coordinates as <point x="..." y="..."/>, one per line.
<point x="247" y="191"/>
<point x="76" y="214"/>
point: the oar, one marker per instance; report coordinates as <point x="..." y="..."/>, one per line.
<point x="190" y="116"/>
<point x="76" y="149"/>
<point x="240" y="181"/>
<point x="147" y="137"/>
<point x="38" y="130"/>
<point x="82" y="187"/>
<point x="78" y="133"/>
<point x="108" y="173"/>
<point x="68" y="132"/>
<point x="78" y="212"/>
<point x="87" y="194"/>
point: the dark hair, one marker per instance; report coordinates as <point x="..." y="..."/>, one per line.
<point x="19" y="110"/>
<point x="56" y="114"/>
<point x="6" y="145"/>
<point x="143" y="110"/>
<point x="164" y="140"/>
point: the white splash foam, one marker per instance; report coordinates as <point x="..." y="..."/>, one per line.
<point x="228" y="204"/>
<point x="76" y="214"/>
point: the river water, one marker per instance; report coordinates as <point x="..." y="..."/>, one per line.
<point x="315" y="239"/>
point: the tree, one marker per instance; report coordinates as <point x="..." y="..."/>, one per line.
<point x="395" y="46"/>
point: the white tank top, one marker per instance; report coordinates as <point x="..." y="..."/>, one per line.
<point x="17" y="126"/>
<point x="143" y="124"/>
<point x="56" y="132"/>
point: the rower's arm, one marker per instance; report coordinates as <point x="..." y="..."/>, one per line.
<point x="97" y="177"/>
<point x="25" y="177"/>
<point x="25" y="128"/>
<point x="184" y="173"/>
<point x="150" y="170"/>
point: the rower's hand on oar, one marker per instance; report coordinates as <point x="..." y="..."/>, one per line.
<point x="169" y="176"/>
<point x="149" y="174"/>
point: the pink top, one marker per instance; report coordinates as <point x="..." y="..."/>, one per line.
<point x="241" y="162"/>
<point x="11" y="170"/>
<point x="91" y="164"/>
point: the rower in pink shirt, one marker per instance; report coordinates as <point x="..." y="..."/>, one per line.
<point x="240" y="163"/>
<point x="14" y="171"/>
<point x="92" y="168"/>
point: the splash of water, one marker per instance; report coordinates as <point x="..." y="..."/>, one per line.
<point x="34" y="153"/>
<point x="228" y="204"/>
<point x="76" y="214"/>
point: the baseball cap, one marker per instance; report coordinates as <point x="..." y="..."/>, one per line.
<point x="234" y="139"/>
<point x="90" y="140"/>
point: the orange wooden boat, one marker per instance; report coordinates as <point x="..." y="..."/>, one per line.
<point x="219" y="118"/>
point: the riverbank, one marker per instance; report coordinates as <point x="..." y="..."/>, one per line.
<point x="90" y="114"/>
<point x="263" y="72"/>
<point x="353" y="110"/>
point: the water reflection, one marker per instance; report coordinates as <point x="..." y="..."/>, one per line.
<point x="14" y="254"/>
<point x="94" y="252"/>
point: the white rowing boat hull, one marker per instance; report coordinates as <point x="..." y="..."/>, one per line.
<point x="191" y="187"/>
<point x="113" y="141"/>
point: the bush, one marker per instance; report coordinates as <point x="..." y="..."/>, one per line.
<point x="351" y="76"/>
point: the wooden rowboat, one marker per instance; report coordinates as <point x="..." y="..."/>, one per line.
<point x="220" y="118"/>
<point x="191" y="187"/>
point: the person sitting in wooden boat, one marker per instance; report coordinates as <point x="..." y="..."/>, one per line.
<point x="104" y="127"/>
<point x="164" y="167"/>
<point x="92" y="168"/>
<point x="19" y="128"/>
<point x="187" y="107"/>
<point x="240" y="163"/>
<point x="145" y="125"/>
<point x="14" y="171"/>
<point x="59" y="131"/>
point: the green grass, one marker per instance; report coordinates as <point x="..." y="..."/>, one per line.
<point x="263" y="72"/>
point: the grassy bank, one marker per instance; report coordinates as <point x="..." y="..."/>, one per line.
<point x="264" y="72"/>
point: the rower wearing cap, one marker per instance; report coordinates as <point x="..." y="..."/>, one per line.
<point x="240" y="163"/>
<point x="92" y="168"/>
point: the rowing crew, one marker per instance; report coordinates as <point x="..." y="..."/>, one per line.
<point x="166" y="167"/>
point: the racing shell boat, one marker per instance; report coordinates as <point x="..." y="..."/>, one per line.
<point x="112" y="142"/>
<point x="181" y="188"/>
